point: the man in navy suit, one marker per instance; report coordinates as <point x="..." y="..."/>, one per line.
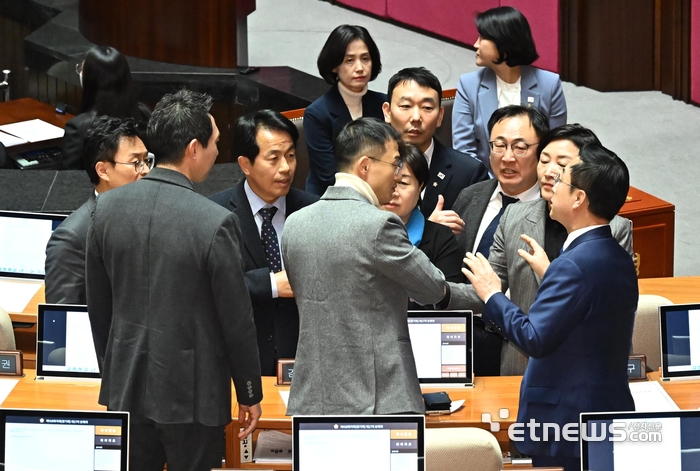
<point x="265" y="143"/>
<point x="415" y="111"/>
<point x="579" y="331"/>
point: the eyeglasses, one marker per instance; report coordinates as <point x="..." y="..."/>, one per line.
<point x="79" y="68"/>
<point x="519" y="148"/>
<point x="139" y="165"/>
<point x="398" y="165"/>
<point x="558" y="180"/>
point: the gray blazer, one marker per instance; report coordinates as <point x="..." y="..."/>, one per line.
<point x="170" y="313"/>
<point x="65" y="257"/>
<point x="351" y="281"/>
<point x="515" y="273"/>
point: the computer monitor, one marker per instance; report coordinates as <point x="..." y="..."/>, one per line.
<point x="23" y="239"/>
<point x="65" y="348"/>
<point x="642" y="441"/>
<point x="362" y="442"/>
<point x="442" y="347"/>
<point x="51" y="440"/>
<point x="680" y="341"/>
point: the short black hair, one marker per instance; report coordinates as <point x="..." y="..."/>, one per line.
<point x="333" y="52"/>
<point x="103" y="139"/>
<point x="245" y="135"/>
<point x="420" y="75"/>
<point x="177" y="119"/>
<point x="539" y="122"/>
<point x="364" y="136"/>
<point x="577" y="134"/>
<point x="510" y="32"/>
<point x="415" y="160"/>
<point x="605" y="179"/>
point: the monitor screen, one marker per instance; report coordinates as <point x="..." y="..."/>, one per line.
<point x="23" y="239"/>
<point x="642" y="441"/>
<point x="345" y="443"/>
<point x="64" y="342"/>
<point x="680" y="340"/>
<point x="64" y="440"/>
<point x="442" y="346"/>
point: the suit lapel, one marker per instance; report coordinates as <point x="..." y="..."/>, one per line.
<point x="249" y="229"/>
<point x="440" y="176"/>
<point x="475" y="211"/>
<point x="488" y="98"/>
<point x="338" y="110"/>
<point x="529" y="95"/>
<point x="534" y="223"/>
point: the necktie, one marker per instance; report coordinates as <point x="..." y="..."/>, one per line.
<point x="268" y="235"/>
<point x="487" y="239"/>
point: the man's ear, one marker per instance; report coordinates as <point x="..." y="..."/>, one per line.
<point x="245" y="164"/>
<point x="363" y="164"/>
<point x="101" y="169"/>
<point x="581" y="198"/>
<point x="191" y="149"/>
<point x="441" y="114"/>
<point x="386" y="108"/>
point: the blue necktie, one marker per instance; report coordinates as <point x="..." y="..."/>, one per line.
<point x="268" y="235"/>
<point x="487" y="239"/>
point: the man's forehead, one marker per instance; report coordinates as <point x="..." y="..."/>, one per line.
<point x="401" y="91"/>
<point x="513" y="127"/>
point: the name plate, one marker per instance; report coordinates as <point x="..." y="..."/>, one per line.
<point x="11" y="363"/>
<point x="285" y="371"/>
<point x="637" y="368"/>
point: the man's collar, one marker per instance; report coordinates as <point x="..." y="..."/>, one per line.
<point x="257" y="203"/>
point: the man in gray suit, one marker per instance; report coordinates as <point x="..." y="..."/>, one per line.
<point x="352" y="280"/>
<point x="113" y="155"/>
<point x="170" y="313"/>
<point x="526" y="227"/>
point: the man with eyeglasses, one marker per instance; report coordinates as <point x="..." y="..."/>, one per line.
<point x="579" y="328"/>
<point x="113" y="155"/>
<point x="352" y="269"/>
<point x="527" y="227"/>
<point x="170" y="313"/>
<point x="515" y="133"/>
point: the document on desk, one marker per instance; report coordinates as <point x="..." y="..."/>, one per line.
<point x="16" y="294"/>
<point x="649" y="396"/>
<point x="34" y="130"/>
<point x="273" y="446"/>
<point x="6" y="387"/>
<point x="285" y="397"/>
<point x="8" y="140"/>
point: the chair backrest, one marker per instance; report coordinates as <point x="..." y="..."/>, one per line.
<point x="448" y="449"/>
<point x="297" y="117"/>
<point x="646" y="338"/>
<point x="443" y="134"/>
<point x="7" y="334"/>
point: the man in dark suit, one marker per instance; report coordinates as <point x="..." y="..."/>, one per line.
<point x="579" y="331"/>
<point x="113" y="155"/>
<point x="414" y="110"/>
<point x="265" y="143"/>
<point x="170" y="314"/>
<point x="515" y="132"/>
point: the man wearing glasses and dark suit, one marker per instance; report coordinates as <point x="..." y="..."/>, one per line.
<point x="113" y="155"/>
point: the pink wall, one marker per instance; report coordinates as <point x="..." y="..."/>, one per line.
<point x="376" y="7"/>
<point x="543" y="16"/>
<point x="695" y="51"/>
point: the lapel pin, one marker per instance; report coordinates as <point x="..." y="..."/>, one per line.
<point x="435" y="184"/>
<point x="441" y="175"/>
<point x="530" y="101"/>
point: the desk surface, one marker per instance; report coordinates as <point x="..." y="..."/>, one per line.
<point x="25" y="109"/>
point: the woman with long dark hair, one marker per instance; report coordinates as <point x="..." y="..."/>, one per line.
<point x="107" y="90"/>
<point x="505" y="50"/>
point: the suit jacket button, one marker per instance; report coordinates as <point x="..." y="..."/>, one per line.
<point x="269" y="338"/>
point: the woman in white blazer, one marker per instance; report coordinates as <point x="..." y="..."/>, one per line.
<point x="505" y="49"/>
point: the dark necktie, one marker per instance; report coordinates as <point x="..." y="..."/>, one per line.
<point x="268" y="234"/>
<point x="487" y="239"/>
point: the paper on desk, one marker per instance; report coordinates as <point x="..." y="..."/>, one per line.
<point x="273" y="446"/>
<point x="454" y="407"/>
<point x="9" y="140"/>
<point x="34" y="130"/>
<point x="649" y="396"/>
<point x="16" y="294"/>
<point x="6" y="387"/>
<point x="285" y="397"/>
